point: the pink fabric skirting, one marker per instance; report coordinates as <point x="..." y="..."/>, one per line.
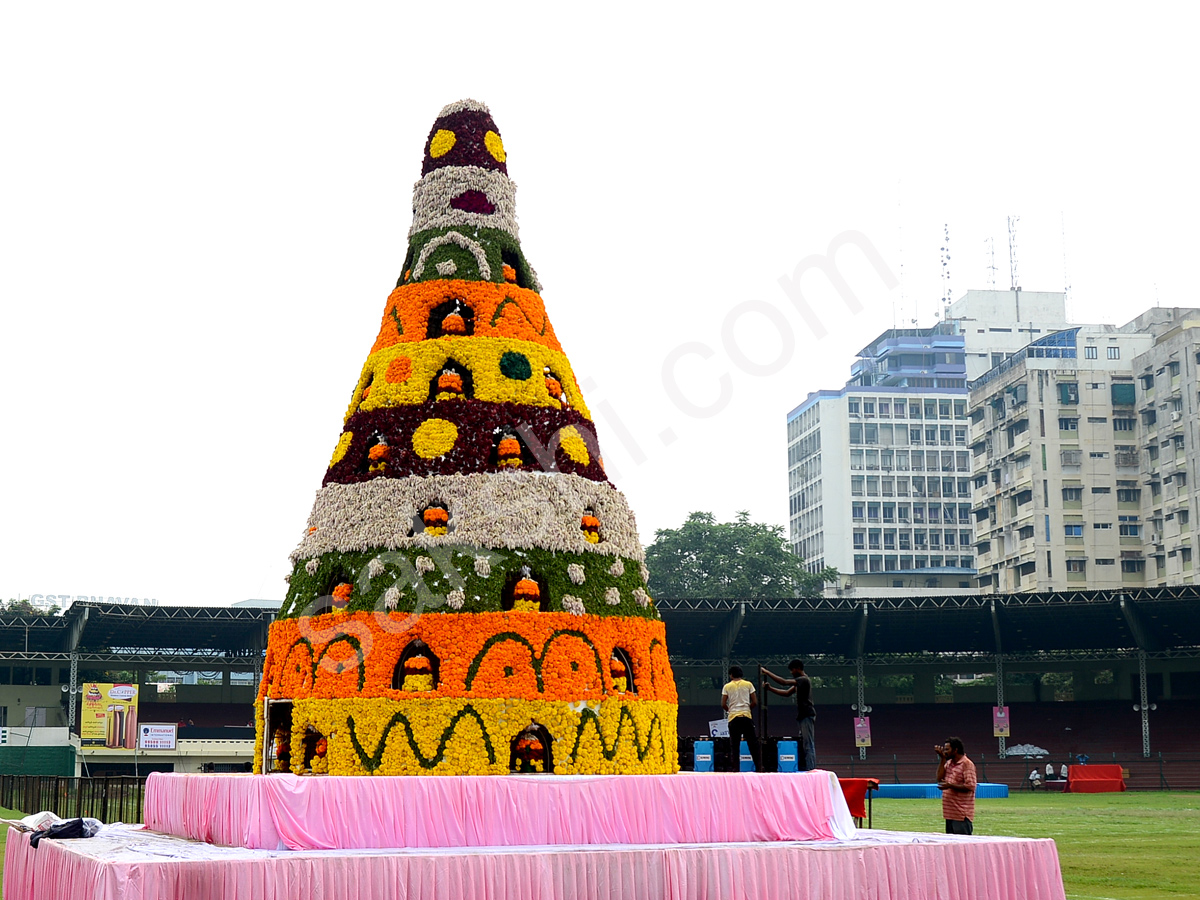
<point x="270" y="812"/>
<point x="124" y="864"/>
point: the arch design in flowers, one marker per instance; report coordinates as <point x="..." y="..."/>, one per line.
<point x="339" y="667"/>
<point x="536" y="660"/>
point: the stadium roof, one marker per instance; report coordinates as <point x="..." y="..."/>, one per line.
<point x="118" y="633"/>
<point x="1066" y="624"/>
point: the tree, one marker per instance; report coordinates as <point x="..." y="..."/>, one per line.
<point x="743" y="559"/>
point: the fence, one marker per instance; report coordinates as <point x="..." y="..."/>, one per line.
<point x="117" y="798"/>
<point x="1161" y="772"/>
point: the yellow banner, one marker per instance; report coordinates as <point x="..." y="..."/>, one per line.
<point x="109" y="717"/>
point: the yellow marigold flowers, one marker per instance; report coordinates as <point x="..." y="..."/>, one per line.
<point x="574" y="445"/>
<point x="434" y="437"/>
<point x="495" y="146"/>
<point x="442" y="143"/>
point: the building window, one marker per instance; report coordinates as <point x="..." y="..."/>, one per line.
<point x="1075" y="494"/>
<point x="1073" y="530"/>
<point x="1129" y="526"/>
<point x="1068" y="424"/>
<point x="1132" y="565"/>
<point x="1102" y="526"/>
<point x="857" y="511"/>
<point x="860" y="540"/>
<point x="1115" y="353"/>
<point x="1077" y="565"/>
<point x="1126" y="424"/>
<point x="1089" y="353"/>
<point x="852" y="407"/>
<point x="1105" y="562"/>
<point x="1127" y="495"/>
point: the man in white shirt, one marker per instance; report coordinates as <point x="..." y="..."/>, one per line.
<point x="738" y="699"/>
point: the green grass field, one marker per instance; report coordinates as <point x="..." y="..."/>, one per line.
<point x="1141" y="846"/>
<point x="1133" y="846"/>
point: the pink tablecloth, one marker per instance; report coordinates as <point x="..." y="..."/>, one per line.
<point x="321" y="813"/>
<point x="123" y="865"/>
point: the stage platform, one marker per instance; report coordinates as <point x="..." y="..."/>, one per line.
<point x="126" y="863"/>
<point x="276" y="812"/>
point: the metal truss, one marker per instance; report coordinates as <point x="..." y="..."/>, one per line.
<point x="947" y="601"/>
<point x="158" y="659"/>
<point x="978" y="661"/>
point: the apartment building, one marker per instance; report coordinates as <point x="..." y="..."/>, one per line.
<point x="879" y="473"/>
<point x="1075" y="460"/>
<point x="1168" y="397"/>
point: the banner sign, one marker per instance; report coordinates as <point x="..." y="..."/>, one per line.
<point x="718" y="728"/>
<point x="109" y="715"/>
<point x="1001" y="727"/>
<point x="862" y="731"/>
<point x="152" y="736"/>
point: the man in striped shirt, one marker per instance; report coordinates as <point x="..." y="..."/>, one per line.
<point x="956" y="778"/>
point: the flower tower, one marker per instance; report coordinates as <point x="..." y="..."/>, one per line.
<point x="469" y="596"/>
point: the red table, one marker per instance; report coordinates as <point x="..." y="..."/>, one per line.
<point x="1094" y="779"/>
<point x="855" y="791"/>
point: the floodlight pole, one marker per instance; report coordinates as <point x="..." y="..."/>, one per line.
<point x="1145" y="703"/>
<point x="862" y="697"/>
<point x="1003" y="752"/>
<point x="74" y="689"/>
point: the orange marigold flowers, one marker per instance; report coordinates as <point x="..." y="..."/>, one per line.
<point x="341" y="595"/>
<point x="449" y="385"/>
<point x="590" y="526"/>
<point x="379" y="451"/>
<point x="510" y="274"/>
<point x="454" y="324"/>
<point x="508" y="452"/>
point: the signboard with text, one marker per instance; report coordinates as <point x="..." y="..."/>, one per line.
<point x="109" y="715"/>
<point x="157" y="735"/>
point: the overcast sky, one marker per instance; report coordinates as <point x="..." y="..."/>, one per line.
<point x="203" y="209"/>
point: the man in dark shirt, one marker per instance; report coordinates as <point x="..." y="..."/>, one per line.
<point x="806" y="714"/>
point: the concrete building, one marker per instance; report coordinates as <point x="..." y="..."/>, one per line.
<point x="1168" y="396"/>
<point x="879" y="470"/>
<point x="1070" y="466"/>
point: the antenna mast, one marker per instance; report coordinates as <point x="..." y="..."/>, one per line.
<point x="945" y="270"/>
<point x="1012" y="252"/>
<point x="990" y="268"/>
<point x="1066" y="279"/>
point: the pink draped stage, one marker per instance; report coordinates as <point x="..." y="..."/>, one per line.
<point x="269" y="812"/>
<point x="125" y="864"/>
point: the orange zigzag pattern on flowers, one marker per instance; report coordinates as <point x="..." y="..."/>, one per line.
<point x="548" y="656"/>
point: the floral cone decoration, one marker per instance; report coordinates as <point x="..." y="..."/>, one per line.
<point x="469" y="596"/>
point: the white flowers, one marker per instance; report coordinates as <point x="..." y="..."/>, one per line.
<point x="288" y="577"/>
<point x="612" y="596"/>
<point x="454" y="599"/>
<point x="573" y="605"/>
<point x="311" y="566"/>
<point x="642" y="598"/>
<point x="509" y="511"/>
<point x="375" y="568"/>
<point x="617" y="568"/>
<point x="483" y="566"/>
<point x="575" y="573"/>
<point x="424" y="564"/>
<point x="391" y="597"/>
<point x="645" y="573"/>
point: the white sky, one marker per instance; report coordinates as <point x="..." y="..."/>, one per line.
<point x="203" y="209"/>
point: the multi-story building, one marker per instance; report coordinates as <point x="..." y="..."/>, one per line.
<point x="1072" y="470"/>
<point x="879" y="470"/>
<point x="1168" y="392"/>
